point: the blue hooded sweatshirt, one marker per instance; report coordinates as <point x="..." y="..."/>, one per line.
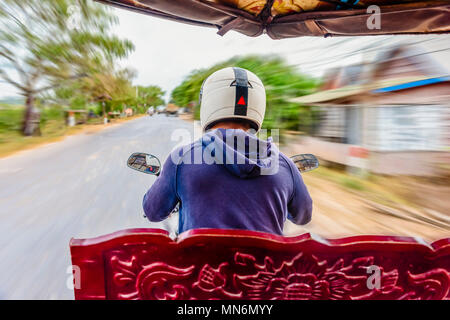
<point x="229" y="179"/>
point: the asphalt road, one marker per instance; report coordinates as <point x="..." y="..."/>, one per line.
<point x="79" y="187"/>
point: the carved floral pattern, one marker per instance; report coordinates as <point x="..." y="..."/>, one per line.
<point x="302" y="277"/>
<point x="156" y="281"/>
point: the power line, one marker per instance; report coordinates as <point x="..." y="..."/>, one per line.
<point x="366" y="49"/>
<point x="336" y="60"/>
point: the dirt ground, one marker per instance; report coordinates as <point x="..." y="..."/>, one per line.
<point x="415" y="209"/>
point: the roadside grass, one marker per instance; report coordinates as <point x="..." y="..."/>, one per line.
<point x="352" y="183"/>
<point x="382" y="189"/>
<point x="53" y="128"/>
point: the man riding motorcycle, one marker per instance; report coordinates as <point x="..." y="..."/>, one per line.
<point x="238" y="181"/>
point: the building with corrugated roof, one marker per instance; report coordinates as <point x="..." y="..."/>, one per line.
<point x="389" y="117"/>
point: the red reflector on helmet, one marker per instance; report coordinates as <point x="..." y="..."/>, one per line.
<point x="241" y="101"/>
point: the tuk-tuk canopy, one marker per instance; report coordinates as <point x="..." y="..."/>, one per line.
<point x="294" y="18"/>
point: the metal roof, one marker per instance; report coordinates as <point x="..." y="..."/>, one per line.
<point x="376" y="87"/>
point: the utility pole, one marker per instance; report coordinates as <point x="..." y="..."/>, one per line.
<point x="103" y="99"/>
<point x="105" y="119"/>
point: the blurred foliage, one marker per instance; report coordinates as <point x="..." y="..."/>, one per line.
<point x="351" y="183"/>
<point x="117" y="92"/>
<point x="52" y="124"/>
<point x="48" y="44"/>
<point x="52" y="114"/>
<point x="151" y="96"/>
<point x="10" y="119"/>
<point x="113" y="87"/>
<point x="282" y="82"/>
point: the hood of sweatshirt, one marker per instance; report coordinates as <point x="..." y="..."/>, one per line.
<point x="242" y="153"/>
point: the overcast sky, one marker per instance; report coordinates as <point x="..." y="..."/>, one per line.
<point x="167" y="51"/>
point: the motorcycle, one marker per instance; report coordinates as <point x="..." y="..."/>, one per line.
<point x="150" y="164"/>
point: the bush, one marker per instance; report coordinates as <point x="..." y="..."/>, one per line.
<point x="53" y="113"/>
<point x="11" y="119"/>
<point x="52" y="121"/>
<point x="350" y="183"/>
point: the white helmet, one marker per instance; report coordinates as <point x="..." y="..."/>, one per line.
<point x="230" y="94"/>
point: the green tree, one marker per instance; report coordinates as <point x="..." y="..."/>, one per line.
<point x="113" y="88"/>
<point x="45" y="44"/>
<point x="117" y="88"/>
<point x="150" y="96"/>
<point x="282" y="82"/>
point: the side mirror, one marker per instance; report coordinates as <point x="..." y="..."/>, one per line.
<point x="305" y="162"/>
<point x="144" y="162"/>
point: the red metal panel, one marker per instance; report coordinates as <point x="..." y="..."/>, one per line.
<point x="234" y="264"/>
